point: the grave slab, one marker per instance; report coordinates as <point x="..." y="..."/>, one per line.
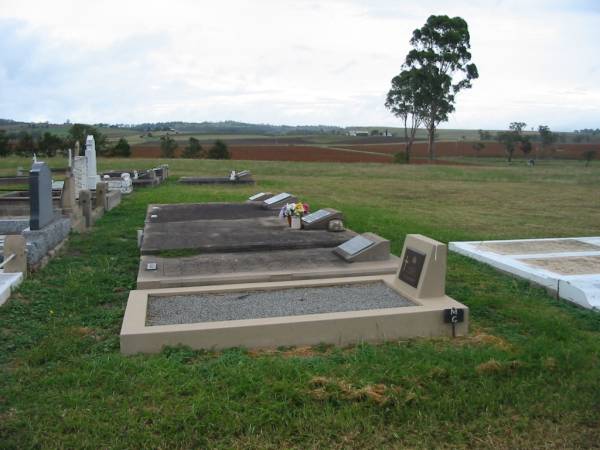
<point x="567" y="267"/>
<point x="192" y="321"/>
<point x="222" y="236"/>
<point x="244" y="267"/>
<point x="215" y="180"/>
<point x="180" y="212"/>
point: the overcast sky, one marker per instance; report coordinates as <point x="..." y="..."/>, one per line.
<point x="289" y="61"/>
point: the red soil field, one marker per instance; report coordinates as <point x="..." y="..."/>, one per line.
<point x="382" y="153"/>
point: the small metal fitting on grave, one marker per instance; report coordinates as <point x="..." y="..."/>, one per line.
<point x="335" y="225"/>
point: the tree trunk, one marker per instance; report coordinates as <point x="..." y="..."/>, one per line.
<point x="431" y="143"/>
<point x="407" y="151"/>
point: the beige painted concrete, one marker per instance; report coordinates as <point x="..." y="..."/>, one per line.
<point x="15" y="244"/>
<point x="425" y="319"/>
<point x="432" y="282"/>
<point x="156" y="279"/>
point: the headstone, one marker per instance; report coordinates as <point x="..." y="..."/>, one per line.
<point x="68" y="195"/>
<point x="70" y="156"/>
<point x="365" y="247"/>
<point x="85" y="203"/>
<point x="40" y="195"/>
<point x="423" y="267"/>
<point x="79" y="174"/>
<point x="90" y="159"/>
<point x="77" y="149"/>
<point x="232" y="176"/>
<point x="319" y="220"/>
<point x="101" y="193"/>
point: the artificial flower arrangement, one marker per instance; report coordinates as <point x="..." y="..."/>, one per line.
<point x="293" y="212"/>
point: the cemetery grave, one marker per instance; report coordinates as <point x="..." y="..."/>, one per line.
<point x="242" y="177"/>
<point x="218" y="228"/>
<point x="568" y="267"/>
<point x="340" y="311"/>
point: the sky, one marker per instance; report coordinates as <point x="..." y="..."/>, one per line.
<point x="289" y="62"/>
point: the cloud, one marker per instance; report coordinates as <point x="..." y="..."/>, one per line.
<point x="293" y="61"/>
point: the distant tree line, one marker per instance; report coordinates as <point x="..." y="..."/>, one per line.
<point x="47" y="144"/>
<point x="194" y="149"/>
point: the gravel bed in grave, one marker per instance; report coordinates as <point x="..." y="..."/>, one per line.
<point x="183" y="309"/>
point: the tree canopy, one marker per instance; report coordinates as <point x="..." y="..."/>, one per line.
<point x="219" y="151"/>
<point x="434" y="71"/>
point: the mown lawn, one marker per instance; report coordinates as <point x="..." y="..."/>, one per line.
<point x="528" y="376"/>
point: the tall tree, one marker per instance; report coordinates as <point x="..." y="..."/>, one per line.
<point x="122" y="149"/>
<point x="26" y="145"/>
<point x="4" y="146"/>
<point x="80" y="131"/>
<point x="168" y="146"/>
<point x="219" y="151"/>
<point x="510" y="139"/>
<point x="193" y="149"/>
<point x="404" y="101"/>
<point x="547" y="137"/>
<point x="441" y="54"/>
<point x="49" y="144"/>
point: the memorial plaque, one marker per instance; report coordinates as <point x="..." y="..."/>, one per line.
<point x="256" y="196"/>
<point x="412" y="266"/>
<point x="151" y="266"/>
<point x="278" y="198"/>
<point x="355" y="245"/>
<point x="317" y="215"/>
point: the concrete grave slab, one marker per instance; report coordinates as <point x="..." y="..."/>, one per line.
<point x="568" y="267"/>
<point x="216" y="236"/>
<point x="180" y="212"/>
<point x="245" y="267"/>
<point x="259" y="197"/>
<point x="338" y="311"/>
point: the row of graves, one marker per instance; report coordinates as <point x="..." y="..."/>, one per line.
<point x="234" y="177"/>
<point x="267" y="273"/>
<point x="37" y="212"/>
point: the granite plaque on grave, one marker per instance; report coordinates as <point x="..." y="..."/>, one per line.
<point x="412" y="266"/>
<point x="256" y="196"/>
<point x="320" y="219"/>
<point x="278" y="198"/>
<point x="40" y="194"/>
<point x="365" y="247"/>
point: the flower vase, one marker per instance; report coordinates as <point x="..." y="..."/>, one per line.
<point x="296" y="223"/>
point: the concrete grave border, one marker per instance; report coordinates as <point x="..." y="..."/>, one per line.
<point x="426" y="319"/>
<point x="583" y="290"/>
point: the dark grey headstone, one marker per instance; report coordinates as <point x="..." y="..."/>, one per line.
<point x="40" y="194"/>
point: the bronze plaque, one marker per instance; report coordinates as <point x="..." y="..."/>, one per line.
<point x="412" y="265"/>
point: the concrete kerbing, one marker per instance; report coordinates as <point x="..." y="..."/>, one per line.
<point x="342" y="328"/>
<point x="581" y="289"/>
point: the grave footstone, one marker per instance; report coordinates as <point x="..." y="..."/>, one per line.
<point x="423" y="266"/>
<point x="101" y="195"/>
<point x="319" y="220"/>
<point x="85" y="203"/>
<point x="365" y="247"/>
<point x="40" y="195"/>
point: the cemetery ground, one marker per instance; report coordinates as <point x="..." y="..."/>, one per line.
<point x="527" y="376"/>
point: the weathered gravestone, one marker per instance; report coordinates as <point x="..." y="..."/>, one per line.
<point x="40" y="195"/>
<point x="90" y="159"/>
<point x="365" y="247"/>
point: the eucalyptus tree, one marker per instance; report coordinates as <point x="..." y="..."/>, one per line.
<point x="442" y="59"/>
<point x="404" y="102"/>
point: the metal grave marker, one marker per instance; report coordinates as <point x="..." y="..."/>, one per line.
<point x="317" y="215"/>
<point x="355" y="245"/>
<point x="412" y="266"/>
<point x="278" y="198"/>
<point x="256" y="196"/>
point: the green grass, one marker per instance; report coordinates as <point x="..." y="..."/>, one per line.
<point x="527" y="377"/>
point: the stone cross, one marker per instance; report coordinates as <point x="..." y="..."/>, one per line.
<point x="40" y="196"/>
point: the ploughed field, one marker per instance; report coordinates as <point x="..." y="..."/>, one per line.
<point x="528" y="376"/>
